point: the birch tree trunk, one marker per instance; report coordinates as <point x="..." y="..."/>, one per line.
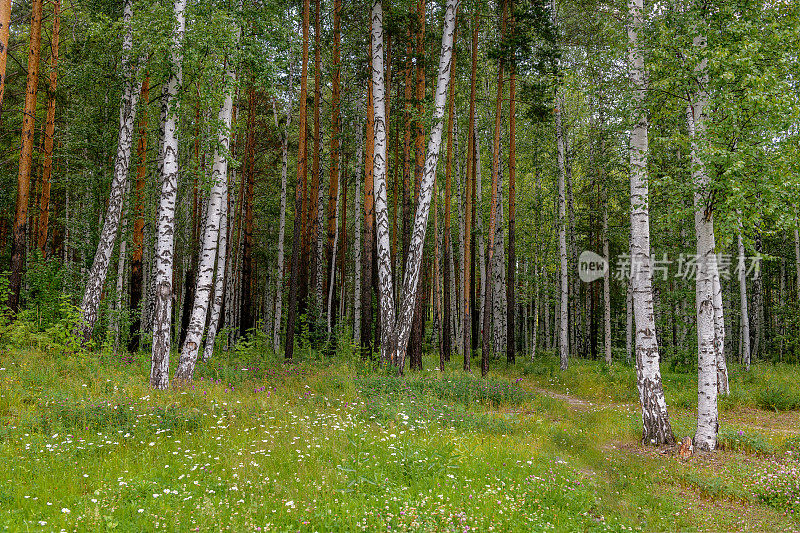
<point x="385" y="289"/>
<point x="796" y="257"/>
<point x="411" y="271"/>
<point x="628" y="322"/>
<point x="276" y="330"/>
<point x="745" y="317"/>
<point x="108" y="236"/>
<point x="332" y="275"/>
<point x="707" y="414"/>
<point x="655" y="419"/>
<point x="165" y="246"/>
<point x="219" y="281"/>
<point x="563" y="323"/>
<point x="215" y="211"/>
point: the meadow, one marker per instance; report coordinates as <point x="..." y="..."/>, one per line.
<point x="338" y="445"/>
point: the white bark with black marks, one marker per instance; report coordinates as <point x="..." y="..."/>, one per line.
<point x="165" y="245"/>
<point x="127" y="114"/>
<point x="655" y="419"/>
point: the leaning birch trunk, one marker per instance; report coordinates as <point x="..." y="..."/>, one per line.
<point x="165" y="246"/>
<point x="108" y="236"/>
<point x="219" y="281"/>
<point x="411" y="271"/>
<point x="385" y="289"/>
<point x="120" y="282"/>
<point x="707" y="415"/>
<point x="655" y="419"/>
<point x="745" y="342"/>
<point x="205" y="269"/>
<point x="357" y="243"/>
<point x="276" y="331"/>
<point x="606" y="289"/>
<point x="332" y="276"/>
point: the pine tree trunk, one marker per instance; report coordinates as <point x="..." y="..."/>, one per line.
<point x="204" y="292"/>
<point x="108" y="236"/>
<point x="655" y="419"/>
<point x="162" y="315"/>
<point x="297" y="234"/>
<point x="26" y="157"/>
<point x="511" y="302"/>
<point x="367" y="346"/>
<point x="137" y="274"/>
<point x="47" y="166"/>
<point x="5" y="22"/>
<point x="313" y="194"/>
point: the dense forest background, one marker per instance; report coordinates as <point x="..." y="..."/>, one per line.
<point x="300" y="155"/>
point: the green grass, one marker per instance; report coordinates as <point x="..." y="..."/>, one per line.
<point x="340" y="446"/>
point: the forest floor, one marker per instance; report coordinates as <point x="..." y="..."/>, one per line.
<point x="335" y="445"/>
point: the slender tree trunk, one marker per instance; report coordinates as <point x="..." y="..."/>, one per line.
<point x="742" y="270"/>
<point x="215" y="212"/>
<point x="367" y="346"/>
<point x="511" y="302"/>
<point x="47" y="166"/>
<point x="297" y="235"/>
<point x="796" y="256"/>
<point x="332" y="275"/>
<point x="606" y="287"/>
<point x="418" y="321"/>
<point x="447" y="245"/>
<point x="655" y="419"/>
<point x="467" y="264"/>
<point x="386" y="291"/>
<point x="707" y="415"/>
<point x="357" y="258"/>
<point x="276" y="329"/>
<point x="137" y="275"/>
<point x="333" y="187"/>
<point x="5" y="21"/>
<point x="313" y="193"/>
<point x="120" y="281"/>
<point x="246" y="305"/>
<point x="108" y="236"/>
<point x="162" y="315"/>
<point x="219" y="280"/>
<point x="26" y="156"/>
<point x="563" y="323"/>
<point x="628" y="322"/>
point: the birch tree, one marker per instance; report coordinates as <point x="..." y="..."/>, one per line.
<point x="127" y="114"/>
<point x="655" y="419"/>
<point x="215" y="211"/>
<point x="396" y="332"/>
<point x="276" y="331"/>
<point x="707" y="386"/>
<point x="165" y="245"/>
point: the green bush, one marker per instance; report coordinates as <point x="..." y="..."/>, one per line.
<point x="778" y="397"/>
